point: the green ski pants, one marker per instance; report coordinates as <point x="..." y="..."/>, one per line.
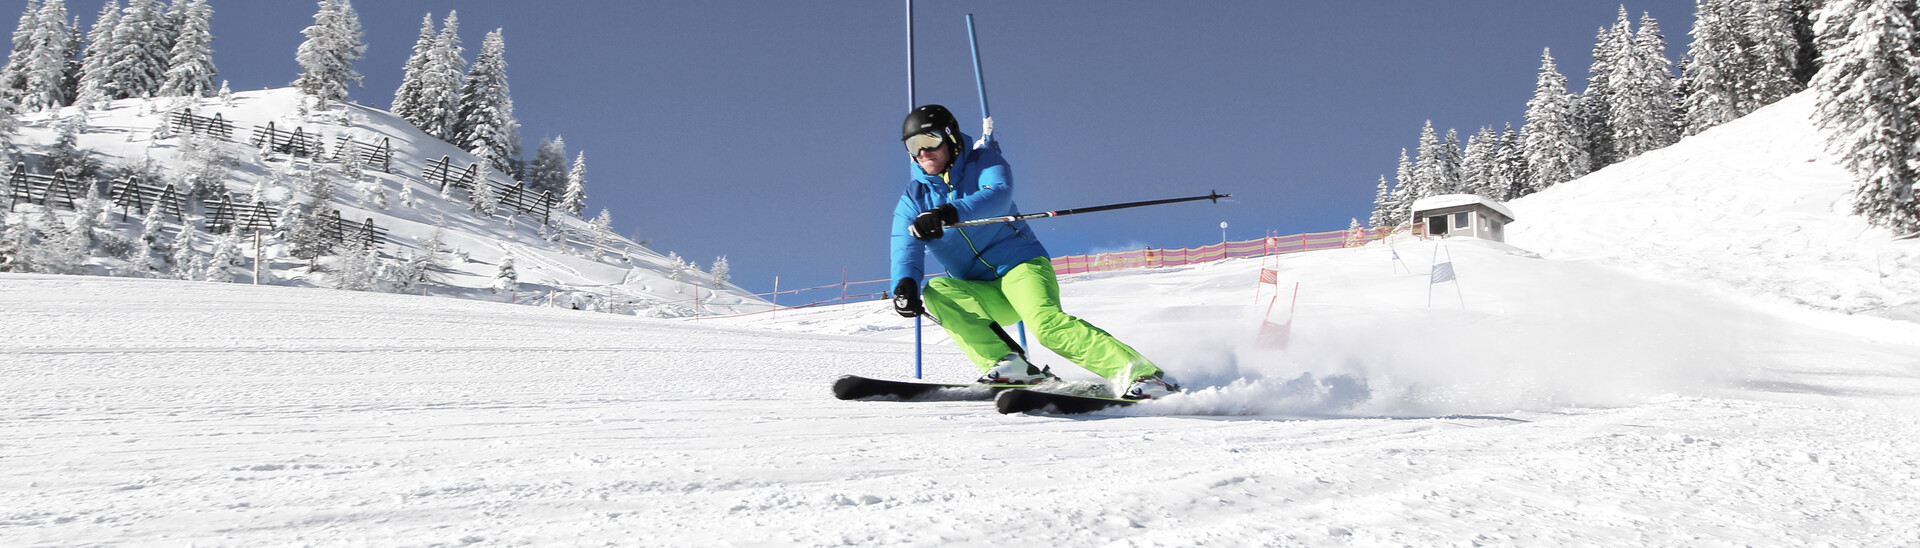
<point x="1030" y="292"/>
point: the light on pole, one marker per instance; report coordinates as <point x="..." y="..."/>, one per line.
<point x="1223" y="232"/>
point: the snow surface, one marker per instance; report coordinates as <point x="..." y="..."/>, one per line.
<point x="1654" y="361"/>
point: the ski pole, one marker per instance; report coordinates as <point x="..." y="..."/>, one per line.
<point x="1214" y="195"/>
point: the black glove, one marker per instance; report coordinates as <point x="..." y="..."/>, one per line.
<point x="932" y="224"/>
<point x="906" y="298"/>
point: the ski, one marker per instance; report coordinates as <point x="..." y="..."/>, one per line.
<point x="854" y="387"/>
<point x="1021" y="400"/>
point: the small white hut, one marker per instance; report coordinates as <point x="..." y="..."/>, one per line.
<point x="1463" y="215"/>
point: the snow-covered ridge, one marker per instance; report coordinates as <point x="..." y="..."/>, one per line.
<point x="1755" y="207"/>
<point x="566" y="263"/>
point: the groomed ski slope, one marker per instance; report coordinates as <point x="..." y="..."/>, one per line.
<point x="1589" y="398"/>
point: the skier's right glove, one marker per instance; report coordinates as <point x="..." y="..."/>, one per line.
<point x="930" y="225"/>
<point x="906" y="298"/>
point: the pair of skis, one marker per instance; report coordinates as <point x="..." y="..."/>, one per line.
<point x="1007" y="398"/>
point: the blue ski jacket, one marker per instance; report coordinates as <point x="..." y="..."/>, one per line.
<point x="979" y="185"/>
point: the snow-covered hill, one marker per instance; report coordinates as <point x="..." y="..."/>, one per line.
<point x="1577" y="388"/>
<point x="133" y="133"/>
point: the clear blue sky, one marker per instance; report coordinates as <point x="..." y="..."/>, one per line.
<point x="767" y="131"/>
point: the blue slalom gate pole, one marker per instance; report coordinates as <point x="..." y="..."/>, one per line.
<point x="917" y="360"/>
<point x="980" y="81"/>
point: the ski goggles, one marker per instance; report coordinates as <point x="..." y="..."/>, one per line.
<point x="921" y="142"/>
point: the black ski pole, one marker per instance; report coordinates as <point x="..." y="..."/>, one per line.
<point x="1215" y="196"/>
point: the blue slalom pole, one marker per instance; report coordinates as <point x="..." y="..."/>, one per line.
<point x="917" y="360"/>
<point x="980" y="81"/>
<point x="986" y="122"/>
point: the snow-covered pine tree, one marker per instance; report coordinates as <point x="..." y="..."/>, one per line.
<point x="422" y="266"/>
<point x="1402" y="191"/>
<point x="359" y="266"/>
<point x="1511" y="173"/>
<point x="506" y="278"/>
<point x="548" y="170"/>
<point x="1641" y="106"/>
<point x="15" y="239"/>
<point x="184" y="254"/>
<point x="96" y="63"/>
<point x="224" y="266"/>
<point x="408" y="102"/>
<point x="204" y="167"/>
<point x="575" y="198"/>
<point x="487" y="127"/>
<point x="154" y="239"/>
<point x="66" y="156"/>
<point x="1595" y="105"/>
<point x="1452" y="180"/>
<point x="1429" y="170"/>
<point x="720" y="272"/>
<point x="13" y="78"/>
<point x="1382" y="204"/>
<point x="53" y="251"/>
<point x="676" y="268"/>
<point x="1769" y="51"/>
<point x="190" y="70"/>
<point x="1478" y="166"/>
<point x="1552" y="137"/>
<point x="1868" y="88"/>
<point x="137" y="66"/>
<point x="440" y="82"/>
<point x="48" y="54"/>
<point x="483" y="201"/>
<point x="1713" y="96"/>
<point x="334" y="42"/>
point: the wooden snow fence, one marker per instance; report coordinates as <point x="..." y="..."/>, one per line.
<point x="217" y="126"/>
<point x="56" y="189"/>
<point x="298" y="142"/>
<point x="372" y="156"/>
<point x="442" y="173"/>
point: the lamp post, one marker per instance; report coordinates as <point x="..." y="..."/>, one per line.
<point x="1223" y="232"/>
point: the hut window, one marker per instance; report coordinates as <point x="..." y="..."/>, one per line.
<point x="1460" y="220"/>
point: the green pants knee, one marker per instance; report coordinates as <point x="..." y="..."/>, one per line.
<point x="1029" y="292"/>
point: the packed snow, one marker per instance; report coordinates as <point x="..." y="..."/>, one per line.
<point x="1694" y="347"/>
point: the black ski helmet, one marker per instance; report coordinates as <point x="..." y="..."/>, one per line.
<point x="930" y="118"/>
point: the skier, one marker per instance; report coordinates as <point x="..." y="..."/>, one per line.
<point x="997" y="274"/>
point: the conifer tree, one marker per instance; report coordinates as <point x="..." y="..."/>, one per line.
<point x="440" y="82"/>
<point x="1512" y="171"/>
<point x="1402" y="191"/>
<point x="487" y="127"/>
<point x="96" y="64"/>
<point x="155" y="242"/>
<point x="137" y="66"/>
<point x="575" y="198"/>
<point x="1382" y="204"/>
<point x="334" y="43"/>
<point x="1611" y="47"/>
<point x="1552" y="135"/>
<point x="548" y="171"/>
<point x="184" y="254"/>
<point x="1770" y="51"/>
<point x="1641" y="109"/>
<point x="13" y="78"/>
<point x="359" y="266"/>
<point x="224" y="265"/>
<point x="1713" y="62"/>
<point x="1430" y="169"/>
<point x="720" y="272"/>
<point x="190" y="71"/>
<point x="1868" y="88"/>
<point x="1478" y="166"/>
<point x="54" y="252"/>
<point x="48" y="55"/>
<point x="482" y="201"/>
<point x="408" y="103"/>
<point x="16" y="246"/>
<point x="506" y="278"/>
<point x="1451" y="178"/>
